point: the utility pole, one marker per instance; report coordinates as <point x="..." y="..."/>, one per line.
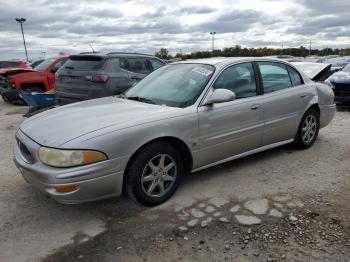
<point x="212" y="40"/>
<point x="310" y="49"/>
<point x="21" y="21"/>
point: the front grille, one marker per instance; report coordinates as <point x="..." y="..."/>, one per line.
<point x="27" y="156"/>
<point x="341" y="89"/>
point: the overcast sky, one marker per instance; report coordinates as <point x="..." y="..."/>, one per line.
<point x="147" y="25"/>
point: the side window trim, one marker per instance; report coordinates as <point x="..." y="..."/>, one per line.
<point x="289" y="68"/>
<point x="256" y="62"/>
<point x="232" y="65"/>
<point x="258" y="79"/>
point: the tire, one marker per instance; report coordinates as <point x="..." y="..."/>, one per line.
<point x="146" y="174"/>
<point x="308" y="129"/>
<point x="5" y="98"/>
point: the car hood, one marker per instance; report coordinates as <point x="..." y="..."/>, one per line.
<point x="61" y="125"/>
<point x="13" y="71"/>
<point x="340" y="77"/>
<point x="315" y="71"/>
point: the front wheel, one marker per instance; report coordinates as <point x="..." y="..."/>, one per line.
<point x="154" y="174"/>
<point x="308" y="129"/>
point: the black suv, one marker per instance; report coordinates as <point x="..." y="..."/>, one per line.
<point x="88" y="76"/>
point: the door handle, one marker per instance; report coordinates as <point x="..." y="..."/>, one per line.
<point x="304" y="96"/>
<point x="255" y="107"/>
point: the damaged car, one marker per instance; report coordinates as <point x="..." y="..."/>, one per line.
<point x="340" y="83"/>
<point x="40" y="79"/>
<point x="182" y="118"/>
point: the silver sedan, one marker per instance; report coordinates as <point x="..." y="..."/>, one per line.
<point x="182" y="118"/>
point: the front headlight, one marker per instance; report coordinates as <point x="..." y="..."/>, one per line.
<point x="69" y="158"/>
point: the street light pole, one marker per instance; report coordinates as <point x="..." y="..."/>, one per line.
<point x="21" y="21"/>
<point x="212" y="40"/>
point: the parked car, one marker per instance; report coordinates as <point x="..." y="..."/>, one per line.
<point x="88" y="76"/>
<point x="40" y="79"/>
<point x="184" y="117"/>
<point x="338" y="63"/>
<point x="13" y="64"/>
<point x="7" y="67"/>
<point x="324" y="58"/>
<point x="340" y="82"/>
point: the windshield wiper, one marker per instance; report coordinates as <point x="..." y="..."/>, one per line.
<point x="69" y="67"/>
<point x="141" y="99"/>
<point x="121" y="95"/>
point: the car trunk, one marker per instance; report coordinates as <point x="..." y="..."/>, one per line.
<point x="77" y="80"/>
<point x="315" y="71"/>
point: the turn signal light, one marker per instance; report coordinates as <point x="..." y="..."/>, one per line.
<point x="67" y="189"/>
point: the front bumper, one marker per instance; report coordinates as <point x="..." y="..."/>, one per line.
<point x="95" y="181"/>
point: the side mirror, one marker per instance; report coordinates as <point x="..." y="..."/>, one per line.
<point x="220" y="96"/>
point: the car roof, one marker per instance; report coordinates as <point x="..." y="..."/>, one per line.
<point x="112" y="54"/>
<point x="223" y="61"/>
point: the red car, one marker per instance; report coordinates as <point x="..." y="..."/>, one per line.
<point x="13" y="64"/>
<point x="40" y="79"/>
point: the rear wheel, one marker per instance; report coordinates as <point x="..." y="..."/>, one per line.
<point x="308" y="129"/>
<point x="154" y="174"/>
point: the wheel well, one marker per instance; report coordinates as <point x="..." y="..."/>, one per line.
<point x="28" y="85"/>
<point x="316" y="106"/>
<point x="177" y="143"/>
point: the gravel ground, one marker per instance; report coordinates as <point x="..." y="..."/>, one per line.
<point x="279" y="205"/>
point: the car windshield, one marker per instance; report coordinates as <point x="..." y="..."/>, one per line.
<point x="44" y="64"/>
<point x="177" y="85"/>
<point x="346" y="68"/>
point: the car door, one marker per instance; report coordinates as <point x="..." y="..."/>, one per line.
<point x="284" y="102"/>
<point x="51" y="78"/>
<point x="230" y="128"/>
<point x="119" y="78"/>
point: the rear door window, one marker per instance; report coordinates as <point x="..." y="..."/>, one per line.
<point x="274" y="76"/>
<point x="112" y="65"/>
<point x="84" y="63"/>
<point x="136" y="65"/>
<point x="156" y="63"/>
<point x="295" y="77"/>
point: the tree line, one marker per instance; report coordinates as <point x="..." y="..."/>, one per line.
<point x="238" y="51"/>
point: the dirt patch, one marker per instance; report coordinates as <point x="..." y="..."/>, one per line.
<point x="303" y="233"/>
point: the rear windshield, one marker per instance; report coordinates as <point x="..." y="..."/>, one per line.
<point x="84" y="63"/>
<point x="5" y="64"/>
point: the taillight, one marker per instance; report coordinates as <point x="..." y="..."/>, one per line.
<point x="97" y="78"/>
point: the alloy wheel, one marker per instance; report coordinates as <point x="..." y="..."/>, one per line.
<point x="159" y="175"/>
<point x="309" y="129"/>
